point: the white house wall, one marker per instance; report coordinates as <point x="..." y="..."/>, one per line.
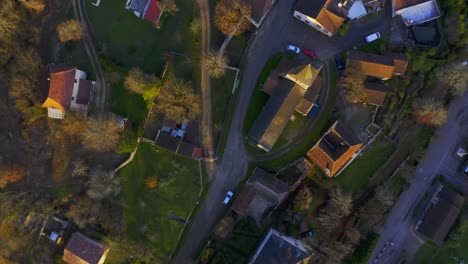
<point x="311" y="22"/>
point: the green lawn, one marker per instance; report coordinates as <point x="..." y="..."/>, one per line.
<point x="221" y="94"/>
<point x="146" y="211"/>
<point x="128" y="104"/>
<point x="452" y="251"/>
<point x="131" y="41"/>
<point x="357" y="175"/>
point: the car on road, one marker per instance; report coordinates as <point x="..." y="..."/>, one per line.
<point x="228" y="197"/>
<point x="308" y="233"/>
<point x="294" y="49"/>
<point x="372" y="37"/>
<point x="310" y="53"/>
<point x="462" y="153"/>
<point x="339" y="63"/>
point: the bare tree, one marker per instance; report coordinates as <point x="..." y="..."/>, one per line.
<point x="215" y="64"/>
<point x="352" y="235"/>
<point x="138" y="82"/>
<point x="385" y="196"/>
<point x="178" y="100"/>
<point x="430" y="112"/>
<point x="27" y="61"/>
<point x="70" y="30"/>
<point x="336" y="250"/>
<point x="455" y="77"/>
<point x="230" y="16"/>
<point x="102" y="184"/>
<point x="80" y="168"/>
<point x="339" y="205"/>
<point x="195" y="26"/>
<point x="303" y="199"/>
<point x="353" y="83"/>
<point x="102" y="134"/>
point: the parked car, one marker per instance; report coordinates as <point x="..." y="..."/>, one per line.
<point x="373" y="37"/>
<point x="294" y="49"/>
<point x="310" y="53"/>
<point x="314" y="111"/>
<point x="339" y="63"/>
<point x="228" y="197"/>
<point x="308" y="233"/>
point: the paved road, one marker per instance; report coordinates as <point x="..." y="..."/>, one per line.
<point x="278" y="30"/>
<point x="439" y="159"/>
<point x="101" y="91"/>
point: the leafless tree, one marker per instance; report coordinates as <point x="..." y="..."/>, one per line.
<point x="215" y="64"/>
<point x="455" y="77"/>
<point x="101" y="134"/>
<point x="102" y="184"/>
<point x="429" y="111"/>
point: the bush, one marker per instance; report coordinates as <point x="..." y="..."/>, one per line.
<point x="365" y="248"/>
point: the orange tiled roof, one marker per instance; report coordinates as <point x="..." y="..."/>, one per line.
<point x="61" y="88"/>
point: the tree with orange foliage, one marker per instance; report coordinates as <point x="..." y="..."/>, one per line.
<point x="10" y="174"/>
<point x="151" y="182"/>
<point x="35" y="5"/>
<point x="70" y="30"/>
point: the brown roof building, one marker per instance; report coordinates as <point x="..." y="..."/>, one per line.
<point x="262" y="193"/>
<point x="379" y="66"/>
<point x="441" y="216"/>
<point x="83" y="250"/>
<point x="335" y="149"/>
<point x="326" y="16"/>
<point x="68" y="90"/>
<point x="375" y="93"/>
<point x="275" y="115"/>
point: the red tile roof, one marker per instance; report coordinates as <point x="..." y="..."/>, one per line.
<point x="153" y="12"/>
<point x="61" y="87"/>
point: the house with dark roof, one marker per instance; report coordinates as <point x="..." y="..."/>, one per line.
<point x="334" y="151"/>
<point x="414" y="12"/>
<point x="68" y="91"/>
<point x="326" y="16"/>
<point x="261" y="194"/>
<point x="260" y="9"/>
<point x="375" y="65"/>
<point x="83" y="250"/>
<point x="375" y="93"/>
<point x="147" y="9"/>
<point x="277" y="248"/>
<point x="441" y="215"/>
<point x="286" y="96"/>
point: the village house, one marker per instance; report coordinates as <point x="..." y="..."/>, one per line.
<point x="278" y="248"/>
<point x="375" y="93"/>
<point x="68" y="91"/>
<point x="379" y="66"/>
<point x="414" y="12"/>
<point x="286" y="94"/>
<point x="326" y="16"/>
<point x="334" y="151"/>
<point x="441" y="215"/>
<point x="83" y="250"/>
<point x="147" y="9"/>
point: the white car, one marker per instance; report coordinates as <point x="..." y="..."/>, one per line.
<point x="373" y="37"/>
<point x="228" y="197"/>
<point x="294" y="49"/>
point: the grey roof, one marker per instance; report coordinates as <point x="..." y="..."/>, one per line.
<point x="441" y="216"/>
<point x="275" y="114"/>
<point x="424" y="34"/>
<point x="269" y="181"/>
<point x="310" y="8"/>
<point x="419" y="13"/>
<point x="277" y="249"/>
<point x="138" y="5"/>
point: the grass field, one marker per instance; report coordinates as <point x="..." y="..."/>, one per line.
<point x="221" y="94"/>
<point x="130" y="105"/>
<point x="452" y="251"/>
<point x="357" y="175"/>
<point x="146" y="211"/>
<point x="131" y="41"/>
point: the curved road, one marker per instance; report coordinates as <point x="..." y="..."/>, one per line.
<point x="101" y="91"/>
<point x="279" y="29"/>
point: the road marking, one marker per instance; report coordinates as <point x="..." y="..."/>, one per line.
<point x="420" y="170"/>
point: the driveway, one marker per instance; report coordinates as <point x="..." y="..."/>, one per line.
<point x="279" y="29"/>
<point x="439" y="159"/>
